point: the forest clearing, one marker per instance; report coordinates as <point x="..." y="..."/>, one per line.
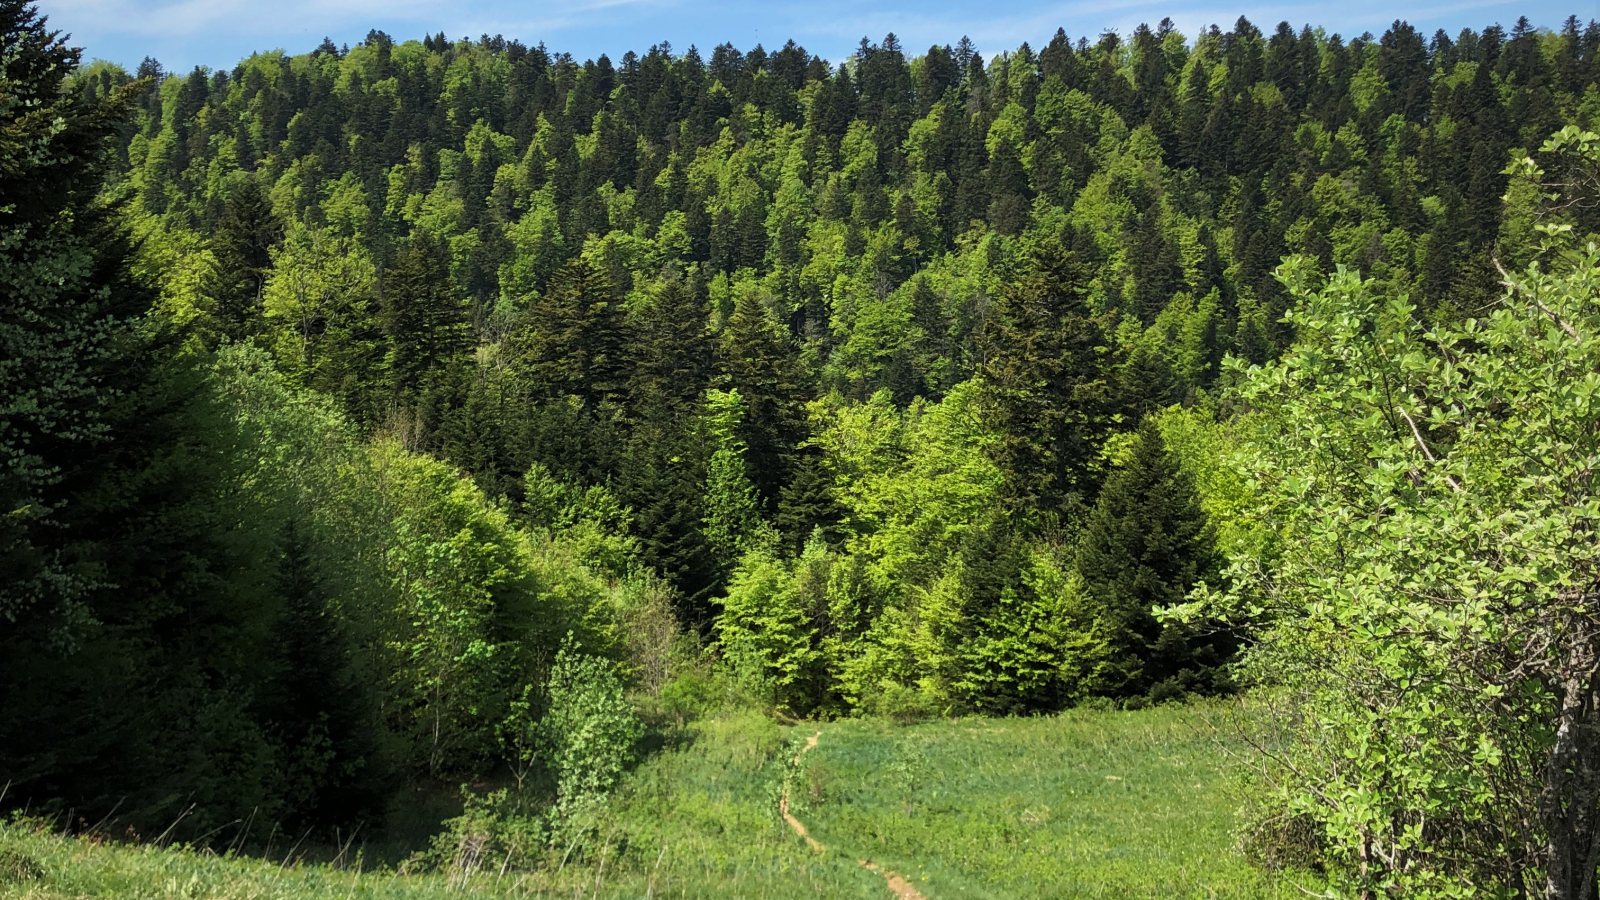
<point x="1086" y="804"/>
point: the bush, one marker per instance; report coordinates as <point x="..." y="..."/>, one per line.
<point x="1434" y="623"/>
<point x="589" y="733"/>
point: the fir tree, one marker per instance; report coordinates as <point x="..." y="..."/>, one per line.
<point x="319" y="708"/>
<point x="1147" y="544"/>
<point x="808" y="506"/>
<point x="241" y="258"/>
<point x="424" y="319"/>
<point x="1046" y="391"/>
<point x="671" y="350"/>
<point x="570" y="340"/>
<point x="755" y="358"/>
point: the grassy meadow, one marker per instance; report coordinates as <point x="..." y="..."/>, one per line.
<point x="1087" y="804"/>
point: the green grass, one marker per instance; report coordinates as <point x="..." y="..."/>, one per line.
<point x="999" y="808"/>
<point x="1087" y="804"/>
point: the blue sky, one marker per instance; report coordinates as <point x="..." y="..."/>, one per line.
<point x="217" y="33"/>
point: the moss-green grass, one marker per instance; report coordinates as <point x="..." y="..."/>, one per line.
<point x="1000" y="808"/>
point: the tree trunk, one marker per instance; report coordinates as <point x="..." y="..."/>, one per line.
<point x="1570" y="802"/>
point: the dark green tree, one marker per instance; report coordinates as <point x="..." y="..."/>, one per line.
<point x="424" y="318"/>
<point x="570" y="341"/>
<point x="333" y="767"/>
<point x="756" y="358"/>
<point x="1147" y="544"/>
<point x="241" y="258"/>
<point x="670" y="350"/>
<point x="1047" y="386"/>
<point x="807" y="504"/>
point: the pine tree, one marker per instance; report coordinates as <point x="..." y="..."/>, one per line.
<point x="1147" y="544"/>
<point x="320" y="710"/>
<point x="808" y="506"/>
<point x="570" y="341"/>
<point x="1146" y="382"/>
<point x="670" y="350"/>
<point x="67" y="333"/>
<point x="122" y="605"/>
<point x="733" y="523"/>
<point x="755" y="358"/>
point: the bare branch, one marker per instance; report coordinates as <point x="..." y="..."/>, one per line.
<point x="1454" y="485"/>
<point x="1505" y="280"/>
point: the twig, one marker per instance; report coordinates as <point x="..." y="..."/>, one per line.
<point x="174" y="824"/>
<point x="575" y="835"/>
<point x="216" y="829"/>
<point x="600" y="869"/>
<point x="296" y="846"/>
<point x="1505" y="280"/>
<point x="338" y="860"/>
<point x="243" y="832"/>
<point x="650" y="889"/>
<point x="97" y="824"/>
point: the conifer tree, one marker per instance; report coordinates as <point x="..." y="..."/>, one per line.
<point x="241" y="251"/>
<point x="424" y="319"/>
<point x="733" y="522"/>
<point x="807" y="505"/>
<point x="321" y="710"/>
<point x="670" y="350"/>
<point x="1148" y="544"/>
<point x="120" y="620"/>
<point x="570" y="340"/>
<point x="1046" y="391"/>
<point x="755" y="358"/>
<point x="67" y="324"/>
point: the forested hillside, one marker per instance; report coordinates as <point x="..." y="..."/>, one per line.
<point x="378" y="417"/>
<point x="919" y="302"/>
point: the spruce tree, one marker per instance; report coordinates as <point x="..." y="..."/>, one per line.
<point x="1147" y="544"/>
<point x="570" y="341"/>
<point x="424" y="319"/>
<point x="807" y="505"/>
<point x="333" y="768"/>
<point x="124" y="617"/>
<point x="241" y="251"/>
<point x="68" y="336"/>
<point x="670" y="348"/>
<point x="1046" y="387"/>
<point x="755" y="358"/>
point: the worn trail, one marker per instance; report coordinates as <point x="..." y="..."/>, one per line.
<point x="898" y="884"/>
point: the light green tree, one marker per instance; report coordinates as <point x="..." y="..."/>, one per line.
<point x="1434" y="646"/>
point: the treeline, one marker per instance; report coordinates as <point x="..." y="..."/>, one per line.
<point x="342" y="387"/>
<point x="694" y="282"/>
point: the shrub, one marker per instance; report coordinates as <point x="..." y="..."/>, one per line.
<point x="589" y="733"/>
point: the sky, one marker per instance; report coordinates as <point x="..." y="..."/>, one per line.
<point x="218" y="33"/>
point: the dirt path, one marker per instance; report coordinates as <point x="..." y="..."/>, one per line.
<point x="898" y="884"/>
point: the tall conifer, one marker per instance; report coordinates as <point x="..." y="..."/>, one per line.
<point x="1148" y="544"/>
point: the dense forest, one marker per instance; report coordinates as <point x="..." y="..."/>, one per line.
<point x="385" y="414"/>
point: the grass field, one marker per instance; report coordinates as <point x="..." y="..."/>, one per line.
<point x="1081" y="805"/>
